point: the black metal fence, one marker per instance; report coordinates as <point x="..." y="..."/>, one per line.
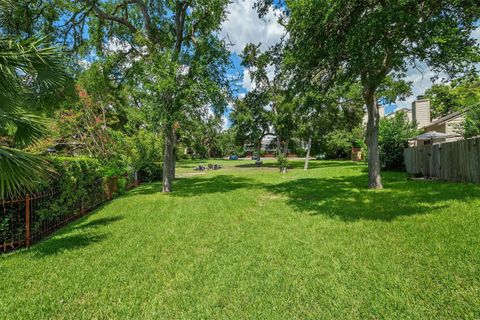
<point x="25" y="220"/>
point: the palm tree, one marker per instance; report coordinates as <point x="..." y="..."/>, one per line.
<point x="26" y="67"/>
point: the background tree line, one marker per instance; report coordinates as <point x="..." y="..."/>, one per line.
<point x="138" y="84"/>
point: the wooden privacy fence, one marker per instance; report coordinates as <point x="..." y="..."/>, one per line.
<point x="27" y="219"/>
<point x="457" y="161"/>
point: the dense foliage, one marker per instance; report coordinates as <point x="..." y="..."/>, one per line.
<point x="394" y="134"/>
<point x="332" y="41"/>
<point x="461" y="95"/>
<point x="338" y="144"/>
<point x="471" y="126"/>
<point x="79" y="184"/>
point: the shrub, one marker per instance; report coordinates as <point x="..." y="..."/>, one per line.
<point x="140" y="152"/>
<point x="393" y="138"/>
<point x="339" y="143"/>
<point x="151" y="171"/>
<point x="300" y="152"/>
<point x="122" y="185"/>
<point x="78" y="181"/>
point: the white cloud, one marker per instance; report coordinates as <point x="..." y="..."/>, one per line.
<point x="247" y="82"/>
<point x="476" y="34"/>
<point x="421" y="82"/>
<point x="225" y="123"/>
<point x="243" y="26"/>
<point x="116" y="45"/>
<point x="84" y="64"/>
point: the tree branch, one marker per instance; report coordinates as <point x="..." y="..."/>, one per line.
<point x="102" y="14"/>
<point x="148" y="21"/>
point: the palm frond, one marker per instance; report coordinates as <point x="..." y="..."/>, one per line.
<point x="28" y="66"/>
<point x="30" y="59"/>
<point x="26" y="128"/>
<point x="21" y="172"/>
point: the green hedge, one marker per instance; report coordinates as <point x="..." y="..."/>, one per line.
<point x="77" y="183"/>
<point x="80" y="184"/>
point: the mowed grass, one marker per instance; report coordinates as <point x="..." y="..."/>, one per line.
<point x="245" y="242"/>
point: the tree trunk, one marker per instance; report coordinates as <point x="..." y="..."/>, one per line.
<point x="279" y="145"/>
<point x="167" y="159"/>
<point x="174" y="156"/>
<point x="374" y="178"/>
<point x="285" y="148"/>
<point x="307" y="156"/>
<point x="259" y="149"/>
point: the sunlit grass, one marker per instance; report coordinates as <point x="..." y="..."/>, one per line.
<point x="246" y="242"/>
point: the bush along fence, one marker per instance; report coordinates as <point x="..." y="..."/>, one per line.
<point x="78" y="188"/>
<point x="457" y="161"/>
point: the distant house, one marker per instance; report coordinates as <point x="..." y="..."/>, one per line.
<point x="450" y="124"/>
<point x="445" y="129"/>
<point x="268" y="147"/>
<point x="448" y="128"/>
<point x="407" y="112"/>
<point x="381" y="111"/>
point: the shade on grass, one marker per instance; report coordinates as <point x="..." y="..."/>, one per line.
<point x="246" y="242"/>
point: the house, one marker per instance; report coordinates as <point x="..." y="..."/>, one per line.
<point x="268" y="147"/>
<point x="445" y="129"/>
<point x="406" y="111"/>
<point x="449" y="124"/>
<point x="381" y="112"/>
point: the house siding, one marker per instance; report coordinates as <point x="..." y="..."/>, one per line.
<point x="455" y="125"/>
<point x="421" y="112"/>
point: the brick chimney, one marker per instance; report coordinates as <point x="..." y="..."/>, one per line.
<point x="421" y="111"/>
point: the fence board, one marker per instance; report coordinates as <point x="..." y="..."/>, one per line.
<point x="451" y="161"/>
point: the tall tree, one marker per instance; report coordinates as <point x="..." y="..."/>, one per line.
<point x="269" y="86"/>
<point x="318" y="114"/>
<point x="176" y="42"/>
<point x="349" y="40"/>
<point x="251" y="120"/>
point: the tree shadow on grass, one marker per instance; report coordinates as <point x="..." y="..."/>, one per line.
<point x="97" y="223"/>
<point x="145" y="189"/>
<point x="312" y="164"/>
<point x="64" y="240"/>
<point x="348" y="199"/>
<point x="198" y="185"/>
<point x="59" y="244"/>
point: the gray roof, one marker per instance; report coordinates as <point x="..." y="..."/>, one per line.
<point x="446" y="118"/>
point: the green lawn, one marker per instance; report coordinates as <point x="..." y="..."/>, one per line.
<point x="246" y="242"/>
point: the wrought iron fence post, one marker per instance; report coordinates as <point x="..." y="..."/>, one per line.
<point x="27" y="220"/>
